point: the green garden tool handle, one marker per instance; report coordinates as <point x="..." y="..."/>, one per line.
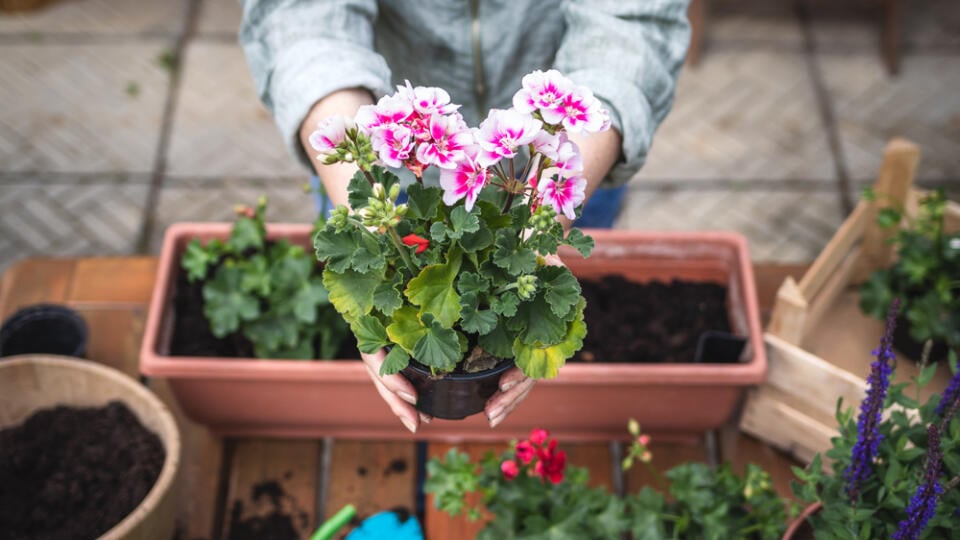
<point x="334" y="524"/>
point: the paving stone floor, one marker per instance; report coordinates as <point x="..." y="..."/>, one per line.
<point x="120" y="117"/>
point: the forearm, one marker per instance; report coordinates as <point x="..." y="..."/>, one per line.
<point x="345" y="103"/>
<point x="600" y="152"/>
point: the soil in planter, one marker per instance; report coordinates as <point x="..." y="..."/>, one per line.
<point x="75" y="472"/>
<point x="653" y="322"/>
<point x="192" y="335"/>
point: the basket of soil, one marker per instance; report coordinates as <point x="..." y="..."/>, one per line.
<point x="85" y="452"/>
<point x="591" y="399"/>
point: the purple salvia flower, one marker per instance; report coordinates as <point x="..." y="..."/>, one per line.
<point x="950" y="395"/>
<point x="871" y="409"/>
<point x="924" y="502"/>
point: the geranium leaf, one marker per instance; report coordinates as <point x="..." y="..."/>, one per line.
<point x="225" y="304"/>
<point x="351" y="292"/>
<point x="434" y="292"/>
<point x="462" y="222"/>
<point x="544" y="361"/>
<point x="289" y="273"/>
<point x="422" y="201"/>
<point x="469" y="282"/>
<point x="395" y="361"/>
<point x="303" y="350"/>
<point x="272" y="331"/>
<point x="308" y="297"/>
<point x="370" y="333"/>
<point x="439" y="231"/>
<point x="562" y="290"/>
<point x="498" y="342"/>
<point x="537" y="323"/>
<point x="505" y="304"/>
<point x="473" y="242"/>
<point x="406" y="329"/>
<point x="512" y="258"/>
<point x="359" y="188"/>
<point x="335" y="249"/>
<point x="386" y="298"/>
<point x="438" y="347"/>
<point x="256" y="275"/>
<point x="579" y="241"/>
<point x="197" y="259"/>
<point x="246" y="233"/>
<point x="478" y="321"/>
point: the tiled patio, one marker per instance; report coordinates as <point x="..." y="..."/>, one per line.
<point x="106" y="138"/>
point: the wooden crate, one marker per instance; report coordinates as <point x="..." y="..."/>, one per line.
<point x="818" y="342"/>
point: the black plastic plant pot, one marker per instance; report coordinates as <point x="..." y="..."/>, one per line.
<point x="454" y="396"/>
<point x="44" y="329"/>
<point x="904" y="343"/>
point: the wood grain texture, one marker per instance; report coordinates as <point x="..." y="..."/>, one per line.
<point x="665" y="457"/>
<point x="34" y="281"/>
<point x="113" y="280"/>
<point x="115" y="336"/>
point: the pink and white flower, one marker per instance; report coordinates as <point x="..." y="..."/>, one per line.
<point x="393" y="143"/>
<point x="560" y="150"/>
<point x="388" y="110"/>
<point x="583" y="112"/>
<point x="503" y="132"/>
<point x="427" y="100"/>
<point x="544" y="92"/>
<point x="330" y="133"/>
<point x="448" y="137"/>
<point x="464" y="181"/>
<point x="564" y="193"/>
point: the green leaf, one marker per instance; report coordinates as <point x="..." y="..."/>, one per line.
<point x="370" y="333"/>
<point x="462" y="222"/>
<point x="246" y="234"/>
<point x="290" y="273"/>
<point x="434" y="292"/>
<point x="537" y="324"/>
<point x="197" y="259"/>
<point x="888" y="218"/>
<point x="351" y="292"/>
<point x="545" y="361"/>
<point x="386" y="297"/>
<point x="225" y="304"/>
<point x="876" y="295"/>
<point x="927" y="374"/>
<point x="333" y="330"/>
<point x="498" y="342"/>
<point x="308" y="298"/>
<point x="256" y="275"/>
<point x="348" y="249"/>
<point x="562" y="289"/>
<point x="512" y="258"/>
<point x="395" y="361"/>
<point x="272" y="331"/>
<point x="438" y="347"/>
<point x="422" y="202"/>
<point x="303" y="350"/>
<point x="505" y="304"/>
<point x="469" y="282"/>
<point x="482" y="238"/>
<point x="359" y="188"/>
<point x="477" y="321"/>
<point x="406" y="328"/>
<point x="579" y="241"/>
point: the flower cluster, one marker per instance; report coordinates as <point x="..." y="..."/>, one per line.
<point x="426" y="279"/>
<point x="548" y="462"/>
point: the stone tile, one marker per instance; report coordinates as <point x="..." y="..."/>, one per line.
<point x="219" y="18"/>
<point x="98" y="17"/>
<point x="60" y="215"/>
<point x="81" y="108"/>
<point x="220" y="128"/>
<point x="751" y="21"/>
<point x="919" y="104"/>
<point x="748" y="115"/>
<point x="926" y="25"/>
<point x="788" y="226"/>
<point x="215" y="199"/>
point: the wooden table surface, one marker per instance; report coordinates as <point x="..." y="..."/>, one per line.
<point x="228" y="485"/>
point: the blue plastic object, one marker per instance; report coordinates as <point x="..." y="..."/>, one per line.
<point x="386" y="525"/>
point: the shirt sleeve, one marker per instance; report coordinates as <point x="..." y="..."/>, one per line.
<point x="629" y="53"/>
<point x="299" y="51"/>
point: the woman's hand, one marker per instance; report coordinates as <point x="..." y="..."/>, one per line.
<point x="397" y="391"/>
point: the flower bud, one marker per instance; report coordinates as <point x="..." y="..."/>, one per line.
<point x="394" y="192"/>
<point x="402" y="210"/>
<point x="348" y="157"/>
<point x="633" y="427"/>
<point x="329" y="159"/>
<point x="526" y="286"/>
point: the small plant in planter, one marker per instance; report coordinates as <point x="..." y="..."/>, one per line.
<point x="896" y="467"/>
<point x="531" y="493"/>
<point x="456" y="281"/>
<point x="270" y="293"/>
<point x="925" y="277"/>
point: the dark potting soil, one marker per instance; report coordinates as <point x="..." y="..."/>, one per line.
<point x="653" y="322"/>
<point x="192" y="335"/>
<point x="273" y="514"/>
<point x="73" y="473"/>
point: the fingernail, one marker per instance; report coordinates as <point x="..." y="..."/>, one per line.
<point x="409" y="424"/>
<point x="425" y="418"/>
<point x="508" y="386"/>
<point x="496" y="419"/>
<point x="407" y="397"/>
<point x="498" y="411"/>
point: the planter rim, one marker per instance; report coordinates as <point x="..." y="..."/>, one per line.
<point x="801" y="519"/>
<point x="171" y="461"/>
<point x="187" y="367"/>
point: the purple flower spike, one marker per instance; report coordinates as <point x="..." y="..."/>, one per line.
<point x="923" y="505"/>
<point x="950" y="395"/>
<point x="871" y="409"/>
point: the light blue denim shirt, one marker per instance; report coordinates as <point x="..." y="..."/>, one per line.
<point x="628" y="53"/>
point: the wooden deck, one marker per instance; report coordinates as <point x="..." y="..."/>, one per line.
<point x="231" y="485"/>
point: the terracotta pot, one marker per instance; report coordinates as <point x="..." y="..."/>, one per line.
<point x="585" y="402"/>
<point x="456" y="395"/>
<point x="32" y="382"/>
<point x="800" y="529"/>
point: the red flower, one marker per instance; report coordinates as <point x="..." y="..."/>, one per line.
<point x="419" y="241"/>
<point x="538" y="436"/>
<point x="551" y="463"/>
<point x="525" y="452"/>
<point x="510" y="469"/>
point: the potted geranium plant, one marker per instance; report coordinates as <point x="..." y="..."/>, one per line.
<point x="530" y="492"/>
<point x="895" y="468"/>
<point x="925" y="277"/>
<point x="455" y="281"/>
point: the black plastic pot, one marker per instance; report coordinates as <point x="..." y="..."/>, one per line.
<point x="44" y="329"/>
<point x="913" y="349"/>
<point x="454" y="396"/>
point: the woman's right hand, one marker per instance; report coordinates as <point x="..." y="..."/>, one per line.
<point x="397" y="391"/>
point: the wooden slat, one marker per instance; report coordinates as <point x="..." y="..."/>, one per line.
<point x="849" y="234"/>
<point x="33" y="281"/>
<point x="113" y="280"/>
<point x="374" y="476"/>
<point x="665" y="457"/>
<point x="275" y="482"/>
<point x="786" y="428"/>
<point x="789" y="317"/>
<point x="832" y="288"/>
<point x="769" y="277"/>
<point x="595" y="457"/>
<point x="115" y="336"/>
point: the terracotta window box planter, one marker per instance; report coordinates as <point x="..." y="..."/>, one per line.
<point x="585" y="402"/>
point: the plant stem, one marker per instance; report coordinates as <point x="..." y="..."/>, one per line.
<point x="369" y="176"/>
<point x="509" y="202"/>
<point x="513" y="173"/>
<point x="402" y="250"/>
<point x="657" y="477"/>
<point x="950" y="485"/>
